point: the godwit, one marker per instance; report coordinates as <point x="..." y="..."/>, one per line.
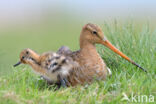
<point x="90" y="63"/>
<point x="54" y="68"/>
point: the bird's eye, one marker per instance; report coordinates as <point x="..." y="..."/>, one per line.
<point x="94" y="32"/>
<point x="27" y="52"/>
<point x="22" y="57"/>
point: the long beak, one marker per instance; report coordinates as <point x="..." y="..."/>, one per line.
<point x="17" y="64"/>
<point x="113" y="48"/>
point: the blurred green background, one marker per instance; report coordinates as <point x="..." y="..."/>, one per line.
<point x="45" y="25"/>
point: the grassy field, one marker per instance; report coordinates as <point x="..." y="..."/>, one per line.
<point x="21" y="86"/>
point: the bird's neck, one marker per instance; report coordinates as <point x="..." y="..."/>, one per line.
<point x="36" y="67"/>
<point x="35" y="56"/>
<point x="88" y="49"/>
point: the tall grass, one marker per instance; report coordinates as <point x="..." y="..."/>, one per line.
<point x="139" y="43"/>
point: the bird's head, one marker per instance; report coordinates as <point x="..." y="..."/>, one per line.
<point x="25" y="55"/>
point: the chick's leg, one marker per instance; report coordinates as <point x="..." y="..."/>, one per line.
<point x="62" y="81"/>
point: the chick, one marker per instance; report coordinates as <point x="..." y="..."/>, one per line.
<point x="51" y="66"/>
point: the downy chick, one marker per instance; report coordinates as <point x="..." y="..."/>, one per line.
<point x="51" y="66"/>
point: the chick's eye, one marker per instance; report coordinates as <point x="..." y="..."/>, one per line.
<point x="94" y="32"/>
<point x="23" y="57"/>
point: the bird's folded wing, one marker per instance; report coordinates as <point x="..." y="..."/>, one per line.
<point x="64" y="50"/>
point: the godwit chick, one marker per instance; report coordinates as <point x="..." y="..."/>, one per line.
<point x="51" y="66"/>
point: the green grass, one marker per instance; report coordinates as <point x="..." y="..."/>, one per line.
<point x="20" y="85"/>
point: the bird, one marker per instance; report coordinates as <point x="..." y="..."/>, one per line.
<point x="89" y="64"/>
<point x="52" y="67"/>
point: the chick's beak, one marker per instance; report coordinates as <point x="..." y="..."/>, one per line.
<point x="17" y="64"/>
<point x="106" y="43"/>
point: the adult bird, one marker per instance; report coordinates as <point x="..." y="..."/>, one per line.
<point x="90" y="64"/>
